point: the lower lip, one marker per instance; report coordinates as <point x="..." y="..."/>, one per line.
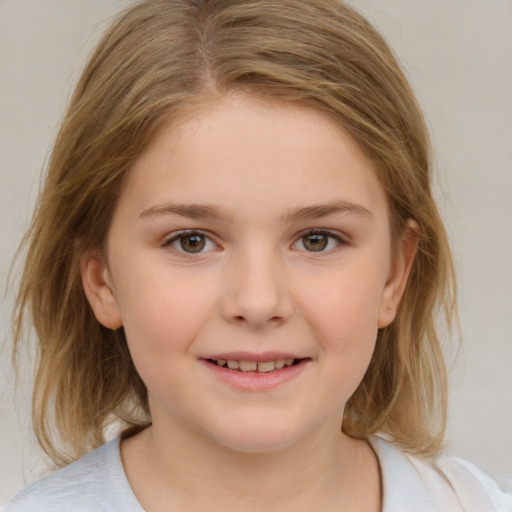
<point x="254" y="381"/>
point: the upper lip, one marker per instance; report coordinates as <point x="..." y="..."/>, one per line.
<point x="251" y="356"/>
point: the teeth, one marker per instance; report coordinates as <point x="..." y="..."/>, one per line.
<point x="266" y="366"/>
<point x="248" y="366"/>
<point x="253" y="366"/>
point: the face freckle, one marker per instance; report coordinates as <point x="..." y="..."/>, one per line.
<point x="249" y="261"/>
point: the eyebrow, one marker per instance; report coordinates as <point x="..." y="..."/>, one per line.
<point x="325" y="210"/>
<point x="191" y="211"/>
<point x="200" y="211"/>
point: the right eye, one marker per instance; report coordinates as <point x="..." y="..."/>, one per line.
<point x="191" y="242"/>
<point x="319" y="241"/>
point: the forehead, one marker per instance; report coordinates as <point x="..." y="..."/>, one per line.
<point x="253" y="156"/>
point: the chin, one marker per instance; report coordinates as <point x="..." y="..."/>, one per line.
<point x="258" y="437"/>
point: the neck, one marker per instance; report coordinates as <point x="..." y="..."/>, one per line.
<point x="326" y="468"/>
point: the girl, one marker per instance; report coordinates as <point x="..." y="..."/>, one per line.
<point x="236" y="258"/>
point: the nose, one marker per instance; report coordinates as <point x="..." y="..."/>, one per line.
<point x="257" y="292"/>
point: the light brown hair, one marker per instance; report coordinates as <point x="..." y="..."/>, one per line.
<point x="160" y="60"/>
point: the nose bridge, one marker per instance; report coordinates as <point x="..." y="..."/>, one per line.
<point x="257" y="293"/>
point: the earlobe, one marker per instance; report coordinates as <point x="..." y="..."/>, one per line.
<point x="399" y="274"/>
<point x="98" y="289"/>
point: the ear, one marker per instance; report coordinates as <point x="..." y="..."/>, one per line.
<point x="399" y="273"/>
<point x="98" y="289"/>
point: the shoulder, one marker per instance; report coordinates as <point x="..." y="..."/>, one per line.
<point x="446" y="484"/>
<point x="473" y="486"/>
<point x="96" y="482"/>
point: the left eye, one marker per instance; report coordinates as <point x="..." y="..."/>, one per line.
<point x="317" y="241"/>
<point x="191" y="243"/>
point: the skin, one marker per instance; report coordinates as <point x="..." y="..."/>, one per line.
<point x="255" y="286"/>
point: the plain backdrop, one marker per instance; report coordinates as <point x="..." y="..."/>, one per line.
<point x="458" y="55"/>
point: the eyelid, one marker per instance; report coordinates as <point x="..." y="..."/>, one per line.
<point x="176" y="235"/>
<point x="338" y="236"/>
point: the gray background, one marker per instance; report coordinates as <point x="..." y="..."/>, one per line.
<point x="458" y="55"/>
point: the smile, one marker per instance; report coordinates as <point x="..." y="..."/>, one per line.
<point x="256" y="372"/>
<point x="253" y="366"/>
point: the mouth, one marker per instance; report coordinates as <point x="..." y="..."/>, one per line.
<point x="250" y="366"/>
<point x="250" y="372"/>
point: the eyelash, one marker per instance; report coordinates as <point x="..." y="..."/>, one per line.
<point x="182" y="235"/>
<point x="340" y="240"/>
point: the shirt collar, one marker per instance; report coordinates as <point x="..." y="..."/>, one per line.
<point x="402" y="487"/>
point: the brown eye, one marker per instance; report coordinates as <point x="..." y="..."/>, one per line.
<point x="192" y="243"/>
<point x="315" y="242"/>
<point x="318" y="240"/>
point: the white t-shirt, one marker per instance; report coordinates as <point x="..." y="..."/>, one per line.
<point x="98" y="483"/>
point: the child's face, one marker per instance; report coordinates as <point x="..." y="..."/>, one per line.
<point x="254" y="233"/>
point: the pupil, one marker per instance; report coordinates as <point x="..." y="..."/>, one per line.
<point x="192" y="243"/>
<point x="315" y="242"/>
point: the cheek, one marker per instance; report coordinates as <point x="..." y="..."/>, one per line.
<point x="163" y="313"/>
<point x="343" y="312"/>
<point x="346" y="302"/>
